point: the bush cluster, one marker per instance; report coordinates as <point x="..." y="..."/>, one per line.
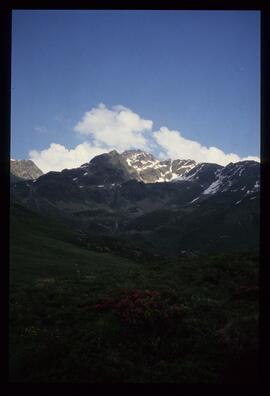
<point x="141" y="307"/>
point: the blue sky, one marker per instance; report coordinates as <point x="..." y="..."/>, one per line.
<point x="186" y="80"/>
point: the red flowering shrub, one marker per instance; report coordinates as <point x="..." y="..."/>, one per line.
<point x="142" y="307"/>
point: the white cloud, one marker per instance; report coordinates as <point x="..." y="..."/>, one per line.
<point x="251" y="158"/>
<point x="120" y="127"/>
<point x="176" y="146"/>
<point x="58" y="157"/>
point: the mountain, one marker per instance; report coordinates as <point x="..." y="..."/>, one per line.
<point x="205" y="207"/>
<point x="23" y="170"/>
<point x="138" y="165"/>
<point x="151" y="170"/>
<point x="127" y="242"/>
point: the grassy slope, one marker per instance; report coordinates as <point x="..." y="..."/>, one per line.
<point x="57" y="335"/>
<point x="42" y="249"/>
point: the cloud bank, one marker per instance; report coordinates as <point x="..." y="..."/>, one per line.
<point x="175" y="146"/>
<point x="119" y="128"/>
<point x="57" y="157"/>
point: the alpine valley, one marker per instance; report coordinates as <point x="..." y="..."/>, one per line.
<point x="134" y="203"/>
<point x="128" y="269"/>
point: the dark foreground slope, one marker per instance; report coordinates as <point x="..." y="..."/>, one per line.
<point x="81" y="316"/>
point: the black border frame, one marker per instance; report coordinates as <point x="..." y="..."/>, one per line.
<point x="5" y="112"/>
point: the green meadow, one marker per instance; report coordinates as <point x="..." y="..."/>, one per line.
<point x="78" y="315"/>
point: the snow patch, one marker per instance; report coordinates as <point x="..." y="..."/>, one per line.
<point x="194" y="174"/>
<point x="241" y="170"/>
<point x="228" y="184"/>
<point x="186" y="166"/>
<point x="195" y="199"/>
<point x="213" y="188"/>
<point x="257" y="184"/>
<point x="174" y="176"/>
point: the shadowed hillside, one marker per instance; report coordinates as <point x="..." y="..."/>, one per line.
<point x="78" y="315"/>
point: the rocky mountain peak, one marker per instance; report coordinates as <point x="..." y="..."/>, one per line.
<point x="241" y="176"/>
<point x="152" y="170"/>
<point x="24" y="170"/>
<point x="114" y="153"/>
<point x="142" y="165"/>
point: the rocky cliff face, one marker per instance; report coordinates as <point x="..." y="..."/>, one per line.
<point x="23" y="170"/>
<point x="151" y="170"/>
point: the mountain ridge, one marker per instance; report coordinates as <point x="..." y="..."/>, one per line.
<point x="107" y="197"/>
<point x="141" y="165"/>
